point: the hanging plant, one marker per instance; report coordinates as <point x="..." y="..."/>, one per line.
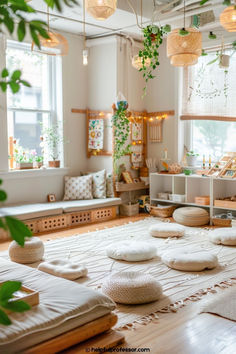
<point x="121" y="127"/>
<point x="153" y="38"/>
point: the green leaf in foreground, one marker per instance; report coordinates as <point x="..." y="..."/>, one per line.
<point x="4" y="319"/>
<point x="17" y="306"/>
<point x="18" y="230"/>
<point x="8" y="288"/>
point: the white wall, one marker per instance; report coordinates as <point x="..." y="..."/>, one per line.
<point x="102" y="86"/>
<point x="162" y="94"/>
<point x="74" y="95"/>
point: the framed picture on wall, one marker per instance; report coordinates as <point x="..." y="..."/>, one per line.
<point x="127" y="177"/>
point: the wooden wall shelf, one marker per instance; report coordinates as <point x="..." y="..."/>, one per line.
<point x="129" y="187"/>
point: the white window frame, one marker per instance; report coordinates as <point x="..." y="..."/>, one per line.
<point x="55" y="90"/>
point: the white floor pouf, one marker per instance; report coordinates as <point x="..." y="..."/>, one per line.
<point x="32" y="251"/>
<point x="64" y="269"/>
<point x="132" y="288"/>
<point x="189" y="261"/>
<point x="224" y="236"/>
<point x="166" y="230"/>
<point x="131" y="251"/>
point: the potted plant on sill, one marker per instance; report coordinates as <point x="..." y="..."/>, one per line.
<point x="53" y="139"/>
<point x="24" y="159"/>
<point x="38" y="161"/>
<point x="191" y="158"/>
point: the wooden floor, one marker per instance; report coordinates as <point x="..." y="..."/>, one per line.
<point x="184" y="332"/>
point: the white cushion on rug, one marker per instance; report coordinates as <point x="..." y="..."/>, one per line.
<point x="131" y="251"/>
<point x="132" y="288"/>
<point x="32" y="251"/>
<point x="225" y="236"/>
<point x="64" y="269"/>
<point x="166" y="230"/>
<point x="78" y="188"/>
<point x="188" y="260"/>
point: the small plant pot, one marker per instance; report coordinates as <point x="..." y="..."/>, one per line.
<point x="54" y="164"/>
<point x="224" y="61"/>
<point x="191" y="160"/>
<point x="24" y="165"/>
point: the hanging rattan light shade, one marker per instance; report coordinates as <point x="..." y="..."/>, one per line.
<point x="55" y="45"/>
<point x="100" y="9"/>
<point x="228" y="18"/>
<point x="137" y="62"/>
<point x="184" y="50"/>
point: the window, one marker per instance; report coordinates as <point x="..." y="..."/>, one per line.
<point x="210" y="91"/>
<point x="32" y="109"/>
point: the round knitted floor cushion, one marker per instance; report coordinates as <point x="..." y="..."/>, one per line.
<point x="224" y="236"/>
<point x="131" y="251"/>
<point x="132" y="288"/>
<point x="166" y="230"/>
<point x="187" y="260"/>
<point x="191" y="216"/>
<point x="32" y="251"/>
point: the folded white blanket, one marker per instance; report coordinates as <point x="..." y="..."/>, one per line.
<point x="64" y="269"/>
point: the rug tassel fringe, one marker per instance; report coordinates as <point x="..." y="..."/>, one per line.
<point x="178" y="304"/>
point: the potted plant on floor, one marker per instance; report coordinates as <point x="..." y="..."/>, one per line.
<point x="191" y="158"/>
<point x="53" y="139"/>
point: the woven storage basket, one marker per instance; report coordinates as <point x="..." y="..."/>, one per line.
<point x="162" y="212"/>
<point x="222" y="222"/>
<point x="129" y="209"/>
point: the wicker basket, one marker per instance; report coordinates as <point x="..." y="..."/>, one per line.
<point x="161" y="212"/>
<point x="221" y="222"/>
<point x="129" y="209"/>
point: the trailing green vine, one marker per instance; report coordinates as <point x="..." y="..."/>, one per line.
<point x="153" y="38"/>
<point x="121" y="128"/>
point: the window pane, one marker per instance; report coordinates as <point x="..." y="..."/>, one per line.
<point x="24" y="131"/>
<point x="210" y="89"/>
<point x="213" y="138"/>
<point x="35" y="70"/>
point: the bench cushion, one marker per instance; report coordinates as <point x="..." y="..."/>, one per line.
<point x="57" y="307"/>
<point x="38" y="210"/>
<point x="32" y="211"/>
<point x="80" y="205"/>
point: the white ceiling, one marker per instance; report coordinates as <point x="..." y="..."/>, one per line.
<point x="124" y="20"/>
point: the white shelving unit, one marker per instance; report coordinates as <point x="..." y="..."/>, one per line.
<point x="192" y="186"/>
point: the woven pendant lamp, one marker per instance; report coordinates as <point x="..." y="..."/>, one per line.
<point x="55" y="45"/>
<point x="184" y="46"/>
<point x="184" y="50"/>
<point x="137" y="62"/>
<point x="100" y="9"/>
<point x="228" y="18"/>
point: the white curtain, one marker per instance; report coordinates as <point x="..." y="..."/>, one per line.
<point x="209" y="89"/>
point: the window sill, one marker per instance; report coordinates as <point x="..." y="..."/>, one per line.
<point x="15" y="174"/>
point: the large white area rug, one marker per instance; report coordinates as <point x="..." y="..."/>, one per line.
<point x="178" y="287"/>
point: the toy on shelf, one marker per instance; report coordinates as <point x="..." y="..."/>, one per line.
<point x="230" y="169"/>
<point x="217" y="169"/>
<point x="151" y="164"/>
<point x="165" y="162"/>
